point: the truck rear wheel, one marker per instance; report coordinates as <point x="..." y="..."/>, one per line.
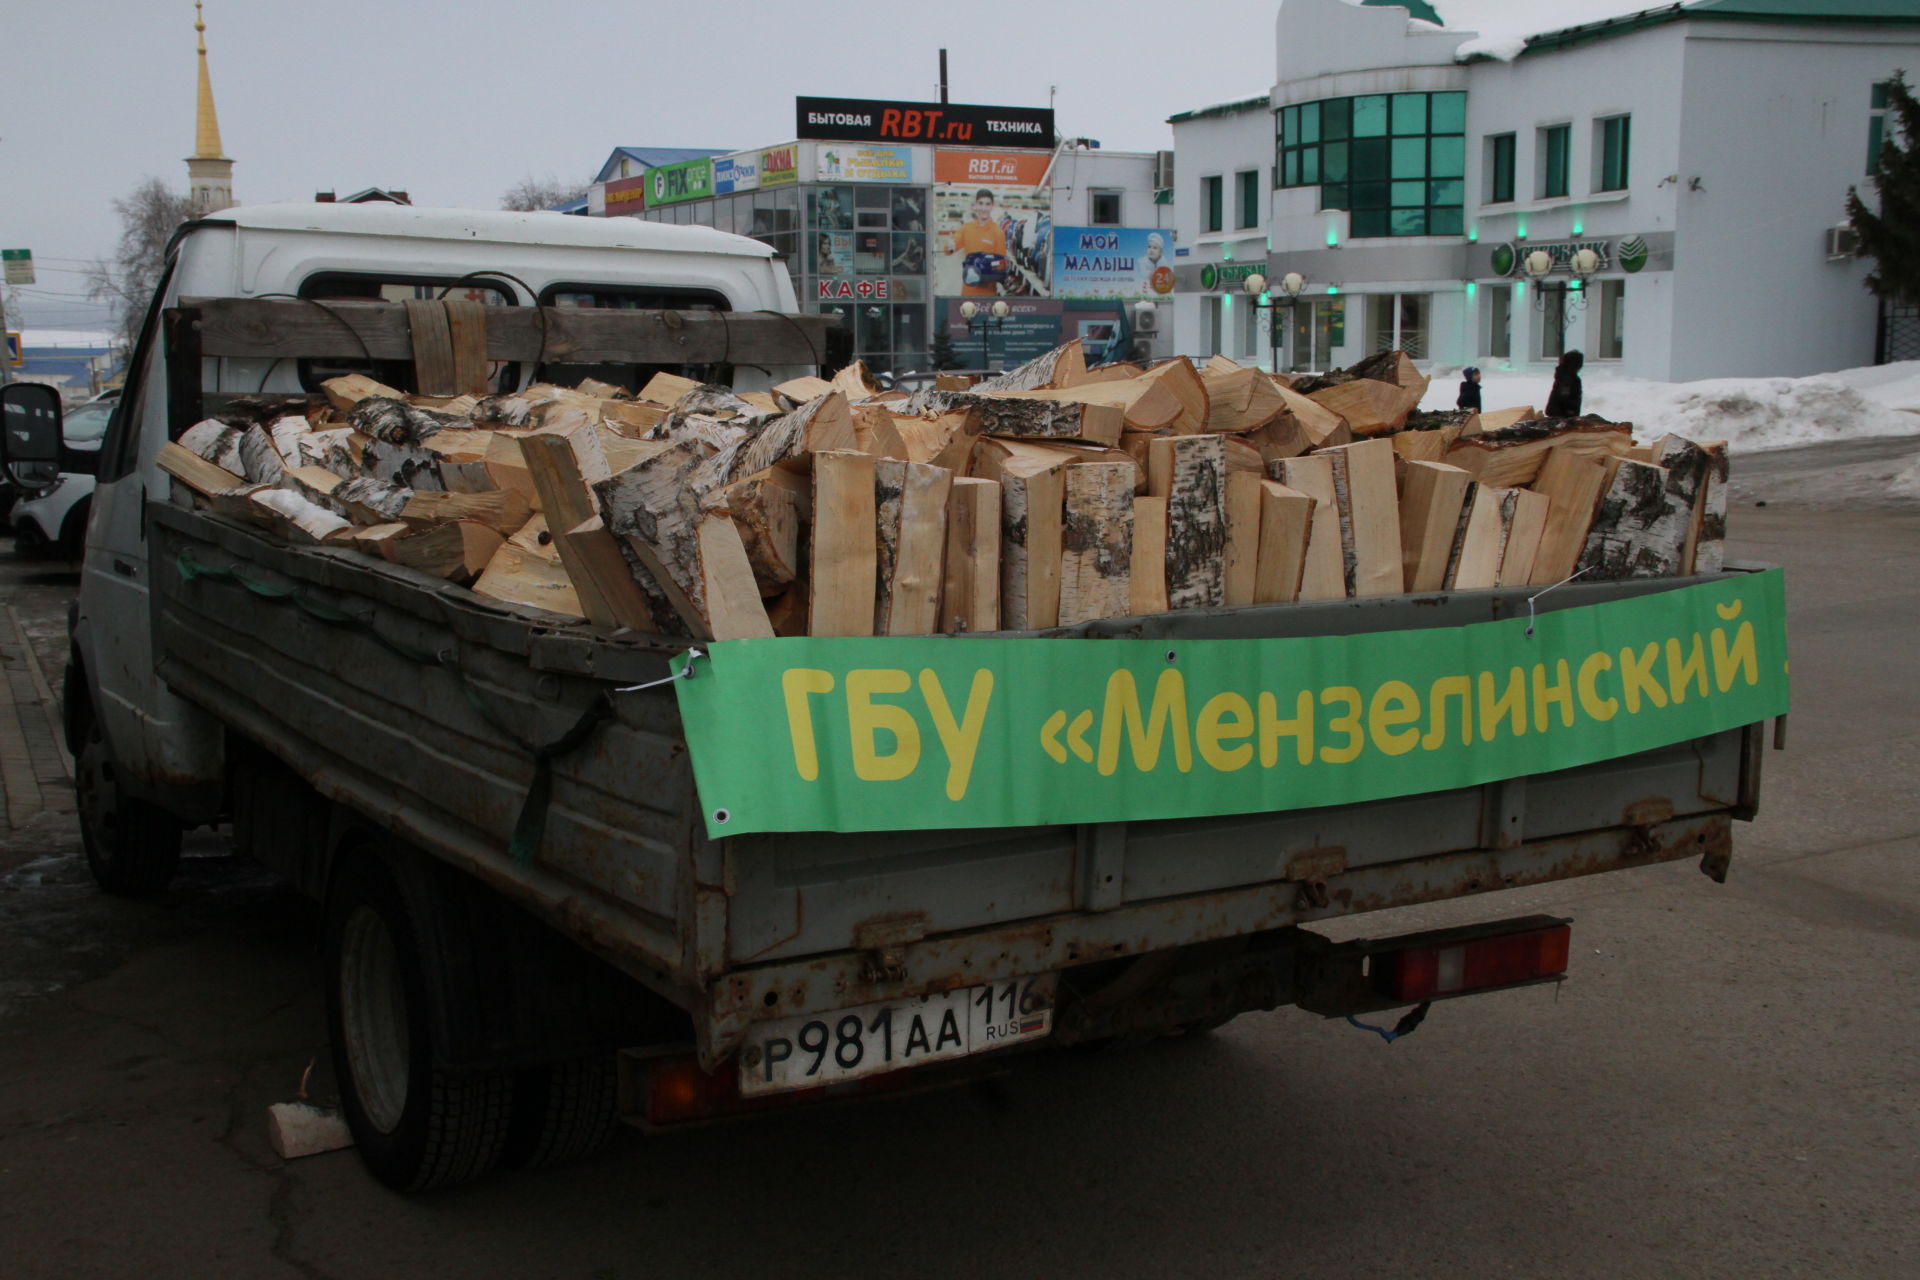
<point x="132" y="847"/>
<point x="417" y="1125"/>
<point x="563" y="1111"/>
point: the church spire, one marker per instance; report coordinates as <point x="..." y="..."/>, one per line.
<point x="209" y="171"/>
<point x="206" y="132"/>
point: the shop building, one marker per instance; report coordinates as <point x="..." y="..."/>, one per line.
<point x="896" y="234"/>
<point x="1662" y="190"/>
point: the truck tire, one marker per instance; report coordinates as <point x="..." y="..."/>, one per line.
<point x="563" y="1111"/>
<point x="132" y="847"/>
<point x="417" y="1125"/>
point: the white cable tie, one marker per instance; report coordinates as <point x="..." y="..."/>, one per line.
<point x="1530" y="599"/>
<point x="684" y="673"/>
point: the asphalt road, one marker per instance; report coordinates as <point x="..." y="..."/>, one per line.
<point x="1726" y="1086"/>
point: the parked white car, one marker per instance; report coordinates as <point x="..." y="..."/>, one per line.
<point x="53" y="521"/>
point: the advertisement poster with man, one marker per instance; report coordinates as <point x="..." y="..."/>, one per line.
<point x="1112" y="262"/>
<point x="993" y="225"/>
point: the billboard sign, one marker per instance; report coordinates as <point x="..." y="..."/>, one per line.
<point x="736" y="173"/>
<point x="869" y="120"/>
<point x="1112" y="262"/>
<point x="849" y="163"/>
<point x="672" y="183"/>
<point x="780" y="165"/>
<point x="626" y="196"/>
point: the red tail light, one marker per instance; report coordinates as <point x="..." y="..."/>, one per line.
<point x="1424" y="973"/>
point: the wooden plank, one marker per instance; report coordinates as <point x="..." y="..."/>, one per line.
<point x="1365" y="488"/>
<point x="970" y="599"/>
<point x="1523" y="538"/>
<point x="432" y="342"/>
<point x="1190" y="472"/>
<point x="842" y="569"/>
<point x="1325" y="574"/>
<point x="1572" y="484"/>
<point x="734" y="611"/>
<point x="913" y="597"/>
<point x="1286" y="516"/>
<point x="266" y="328"/>
<point x="1147" y="566"/>
<point x="1096" y="542"/>
<point x="1243" y="536"/>
<point x="1430" y="508"/>
<point x="467" y="335"/>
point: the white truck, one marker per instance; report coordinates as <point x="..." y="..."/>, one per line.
<point x="380" y="737"/>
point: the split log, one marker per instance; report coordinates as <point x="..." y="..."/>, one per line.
<point x="1572" y="484"/>
<point x="397" y="422"/>
<point x="875" y="433"/>
<point x="597" y="567"/>
<point x="1514" y="456"/>
<point x="889" y="493"/>
<point x="189" y="468"/>
<point x="913" y="593"/>
<point x="1524" y="533"/>
<point x="853" y="383"/>
<point x="507" y="466"/>
<point x="1322" y="427"/>
<point x="1707" y="542"/>
<point x="518" y="576"/>
<point x="1640" y="529"/>
<point x="1430" y="507"/>
<point x="287" y="433"/>
<point x="771" y="508"/>
<point x="1032" y="481"/>
<point x="763" y="402"/>
<point x="1144" y="404"/>
<point x="1325" y="574"/>
<point x="1190" y="472"/>
<point x="1114" y="371"/>
<point x="1179" y="377"/>
<point x="1481" y="539"/>
<point x="1096" y="540"/>
<point x="789" y="440"/>
<point x="667" y="388"/>
<point x="365" y="498"/>
<point x="1243" y="536"/>
<point x="459" y="551"/>
<point x="631" y="417"/>
<point x="1422" y="446"/>
<point x="1025" y="419"/>
<point x="1498" y="420"/>
<point x="1370" y="407"/>
<point x="217" y="442"/>
<point x="262" y="461"/>
<point x="461" y="444"/>
<point x="799" y="391"/>
<point x="502" y="509"/>
<point x="787" y="612"/>
<point x="1147" y="565"/>
<point x="1367" y="495"/>
<point x="349" y="390"/>
<point x="970" y="597"/>
<point x="1286" y="517"/>
<point x="842" y="571"/>
<point x="1064" y="366"/>
<point x="320" y="487"/>
<point x="372" y="538"/>
<point x="306" y="518"/>
<point x="944" y="441"/>
<point x="655" y="508"/>
<point x="1242" y="458"/>
<point x="734" y="610"/>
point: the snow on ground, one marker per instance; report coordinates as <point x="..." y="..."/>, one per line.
<point x="1748" y="413"/>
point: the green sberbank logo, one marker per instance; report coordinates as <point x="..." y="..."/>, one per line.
<point x="1227" y="275"/>
<point x="1632" y="254"/>
<point x="1503" y="259"/>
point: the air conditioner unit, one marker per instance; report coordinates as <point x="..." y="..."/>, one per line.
<point x="1163" y="171"/>
<point x="1842" y="242"/>
<point x="1146" y="321"/>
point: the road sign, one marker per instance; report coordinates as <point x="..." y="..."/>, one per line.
<point x="19" y="265"/>
<point x="15" y="356"/>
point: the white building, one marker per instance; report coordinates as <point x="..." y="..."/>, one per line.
<point x="1437" y="198"/>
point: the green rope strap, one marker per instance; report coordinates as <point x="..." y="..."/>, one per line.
<point x="529" y="830"/>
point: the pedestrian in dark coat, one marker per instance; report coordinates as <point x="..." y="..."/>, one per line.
<point x="1469" y="397"/>
<point x="1564" y="400"/>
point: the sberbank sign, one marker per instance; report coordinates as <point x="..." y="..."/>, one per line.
<point x="1227" y="275"/>
<point x="672" y="183"/>
<point x="875" y="734"/>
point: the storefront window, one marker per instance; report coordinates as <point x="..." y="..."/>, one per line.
<point x="1395" y="162"/>
<point x="830" y="209"/>
<point x="1613" y="319"/>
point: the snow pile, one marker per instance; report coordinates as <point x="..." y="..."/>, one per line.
<point x="1750" y="414"/>
<point x="1906" y="481"/>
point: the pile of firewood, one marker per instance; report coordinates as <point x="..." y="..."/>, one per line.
<point x="1048" y="496"/>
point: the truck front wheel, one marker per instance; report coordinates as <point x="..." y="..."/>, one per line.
<point x="417" y="1125"/>
<point x="132" y="847"/>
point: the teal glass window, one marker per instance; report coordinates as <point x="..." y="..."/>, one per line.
<point x="1615" y="135"/>
<point x="1556" y="153"/>
<point x="1500" y="149"/>
<point x="1395" y="162"/>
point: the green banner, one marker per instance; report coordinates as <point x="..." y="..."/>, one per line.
<point x="817" y="734"/>
<point x="672" y="183"/>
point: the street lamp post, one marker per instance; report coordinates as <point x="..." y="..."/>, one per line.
<point x="984" y="321"/>
<point x="1288" y="287"/>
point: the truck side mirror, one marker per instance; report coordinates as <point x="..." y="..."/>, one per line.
<point x="30" y="434"/>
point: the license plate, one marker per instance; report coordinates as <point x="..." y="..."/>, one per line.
<point x="814" y="1050"/>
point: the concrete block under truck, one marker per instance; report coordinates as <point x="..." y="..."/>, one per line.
<point x="573" y="875"/>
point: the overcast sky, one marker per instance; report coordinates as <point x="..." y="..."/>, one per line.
<point x="454" y="102"/>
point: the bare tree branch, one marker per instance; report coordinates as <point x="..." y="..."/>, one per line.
<point x="531" y="194"/>
<point x="148" y="216"/>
